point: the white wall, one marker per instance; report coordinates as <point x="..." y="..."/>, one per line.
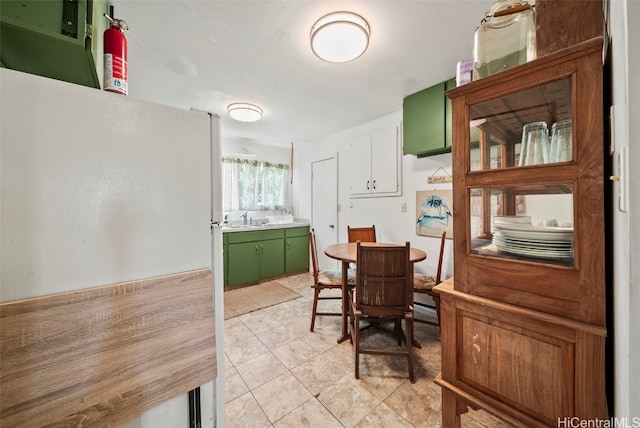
<point x="276" y="154"/>
<point x="392" y="225"/>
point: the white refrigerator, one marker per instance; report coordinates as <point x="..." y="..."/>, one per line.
<point x="98" y="188"/>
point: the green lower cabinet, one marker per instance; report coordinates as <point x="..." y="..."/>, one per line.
<point x="244" y="263"/>
<point x="297" y="250"/>
<point x="271" y="258"/>
<point x="225" y="259"/>
<point x="254" y="256"/>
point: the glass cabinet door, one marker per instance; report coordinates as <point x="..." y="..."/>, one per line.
<point x="516" y="217"/>
<point x="523" y="222"/>
<point x="528" y="128"/>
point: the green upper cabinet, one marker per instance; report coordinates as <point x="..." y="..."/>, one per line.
<point x="58" y="39"/>
<point x="427" y="121"/>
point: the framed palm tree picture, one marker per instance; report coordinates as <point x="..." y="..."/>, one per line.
<point x="434" y="212"/>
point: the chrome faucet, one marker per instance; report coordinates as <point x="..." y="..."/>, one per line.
<point x="244" y="216"/>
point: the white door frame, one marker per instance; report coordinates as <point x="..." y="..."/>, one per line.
<point x="326" y="234"/>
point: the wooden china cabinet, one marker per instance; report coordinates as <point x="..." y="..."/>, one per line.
<point x="523" y="318"/>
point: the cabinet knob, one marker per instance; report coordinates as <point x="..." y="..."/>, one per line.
<point x="368" y="181"/>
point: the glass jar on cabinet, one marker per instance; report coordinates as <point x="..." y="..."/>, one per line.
<point x="505" y="38"/>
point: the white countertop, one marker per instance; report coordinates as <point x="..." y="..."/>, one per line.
<point x="264" y="226"/>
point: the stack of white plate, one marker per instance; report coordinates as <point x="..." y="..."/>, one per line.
<point x="516" y="235"/>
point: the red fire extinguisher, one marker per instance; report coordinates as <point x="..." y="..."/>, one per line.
<point x="115" y="57"/>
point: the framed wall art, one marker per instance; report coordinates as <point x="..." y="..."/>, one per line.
<point x="434" y="213"/>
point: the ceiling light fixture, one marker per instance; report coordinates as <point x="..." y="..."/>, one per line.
<point x="340" y="37"/>
<point x="244" y="112"/>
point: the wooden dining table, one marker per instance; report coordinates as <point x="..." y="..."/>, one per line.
<point x="347" y="253"/>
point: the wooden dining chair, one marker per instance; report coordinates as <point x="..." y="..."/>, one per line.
<point x="324" y="280"/>
<point x="383" y="291"/>
<point x="362" y="234"/>
<point x="423" y="284"/>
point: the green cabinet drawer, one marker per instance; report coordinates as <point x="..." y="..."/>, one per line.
<point x="297" y="231"/>
<point x="255" y="235"/>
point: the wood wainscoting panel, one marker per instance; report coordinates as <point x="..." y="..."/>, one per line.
<point x="99" y="356"/>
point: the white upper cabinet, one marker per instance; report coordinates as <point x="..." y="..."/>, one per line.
<point x="374" y="163"/>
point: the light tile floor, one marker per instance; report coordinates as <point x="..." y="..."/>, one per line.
<point x="278" y="374"/>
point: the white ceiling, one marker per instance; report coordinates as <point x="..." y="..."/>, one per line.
<point x="207" y="54"/>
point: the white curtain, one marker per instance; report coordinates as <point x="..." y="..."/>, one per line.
<point x="252" y="185"/>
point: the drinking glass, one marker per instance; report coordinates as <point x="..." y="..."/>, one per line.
<point x="561" y="145"/>
<point x="534" y="149"/>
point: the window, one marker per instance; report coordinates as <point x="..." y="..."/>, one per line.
<point x="252" y="185"/>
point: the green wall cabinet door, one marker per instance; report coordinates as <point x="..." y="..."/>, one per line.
<point x="426" y="119"/>
<point x="297" y="250"/>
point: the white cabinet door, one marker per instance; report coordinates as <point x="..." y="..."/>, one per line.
<point x="359" y="165"/>
<point x="374" y="163"/>
<point x="384" y="161"/>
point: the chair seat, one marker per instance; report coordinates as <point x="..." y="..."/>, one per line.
<point x="422" y="282"/>
<point x="334" y="277"/>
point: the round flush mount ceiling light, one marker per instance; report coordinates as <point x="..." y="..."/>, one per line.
<point x="244" y="112"/>
<point x="340" y="37"/>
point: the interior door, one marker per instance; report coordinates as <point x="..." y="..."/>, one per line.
<point x="324" y="210"/>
